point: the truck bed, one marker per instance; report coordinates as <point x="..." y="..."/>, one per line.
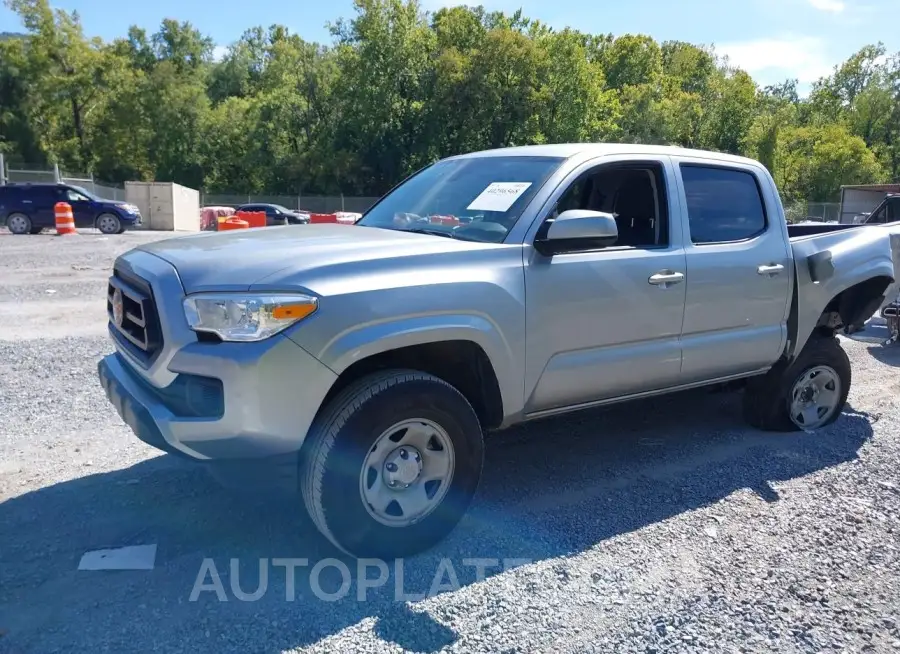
<point x="811" y="229"/>
<point x="830" y="257"/>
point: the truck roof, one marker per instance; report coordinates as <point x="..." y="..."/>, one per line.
<point x="568" y="150"/>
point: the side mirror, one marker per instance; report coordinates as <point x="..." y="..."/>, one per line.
<point x="577" y="230"/>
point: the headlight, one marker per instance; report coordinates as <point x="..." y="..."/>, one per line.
<point x="239" y="317"/>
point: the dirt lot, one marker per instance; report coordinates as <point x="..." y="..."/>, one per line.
<point x="663" y="526"/>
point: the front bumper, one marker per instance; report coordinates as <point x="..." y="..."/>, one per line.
<point x="131" y="220"/>
<point x="121" y="391"/>
<point x="212" y="401"/>
<point x="266" y="406"/>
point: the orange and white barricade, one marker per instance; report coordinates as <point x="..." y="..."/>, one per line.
<point x="65" y="219"/>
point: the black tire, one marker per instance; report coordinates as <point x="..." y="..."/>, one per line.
<point x="344" y="433"/>
<point x="767" y="399"/>
<point x="108" y="223"/>
<point x="19" y="224"/>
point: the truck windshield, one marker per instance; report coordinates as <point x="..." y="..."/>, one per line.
<point x="473" y="199"/>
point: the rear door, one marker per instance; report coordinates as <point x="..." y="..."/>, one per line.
<point x="39" y="202"/>
<point x="738" y="269"/>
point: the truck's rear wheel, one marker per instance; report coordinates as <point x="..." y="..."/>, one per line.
<point x="808" y="394"/>
<point x="392" y="464"/>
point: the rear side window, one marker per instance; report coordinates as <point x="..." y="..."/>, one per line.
<point x="723" y="204"/>
<point x="42" y="194"/>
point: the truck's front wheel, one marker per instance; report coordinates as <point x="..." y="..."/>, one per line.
<point x="807" y="394"/>
<point x="392" y="464"/>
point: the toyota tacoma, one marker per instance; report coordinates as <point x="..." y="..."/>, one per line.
<point x="365" y="363"/>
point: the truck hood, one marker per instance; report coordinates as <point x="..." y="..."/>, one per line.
<point x="285" y="257"/>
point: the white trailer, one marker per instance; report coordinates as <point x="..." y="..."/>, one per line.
<point x="165" y="206"/>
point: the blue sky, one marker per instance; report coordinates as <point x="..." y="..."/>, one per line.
<point x="771" y="39"/>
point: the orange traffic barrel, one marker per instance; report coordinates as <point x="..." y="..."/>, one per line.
<point x="322" y="218"/>
<point x="233" y="223"/>
<point x="65" y="219"/>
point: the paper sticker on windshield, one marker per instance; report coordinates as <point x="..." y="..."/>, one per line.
<point x="498" y="196"/>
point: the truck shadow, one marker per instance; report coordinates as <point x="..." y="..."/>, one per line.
<point x="887" y="354"/>
<point x="550" y="490"/>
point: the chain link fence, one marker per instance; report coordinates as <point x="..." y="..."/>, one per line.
<point x="816" y="211"/>
<point x="23" y="174"/>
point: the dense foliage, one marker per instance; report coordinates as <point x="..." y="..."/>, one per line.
<point x="399" y="88"/>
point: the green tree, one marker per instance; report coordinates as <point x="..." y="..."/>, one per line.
<point x="813" y="162"/>
<point x="67" y="77"/>
<point x="399" y="87"/>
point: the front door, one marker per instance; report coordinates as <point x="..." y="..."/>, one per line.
<point x="607" y="323"/>
<point x="738" y="270"/>
<point x="82" y="208"/>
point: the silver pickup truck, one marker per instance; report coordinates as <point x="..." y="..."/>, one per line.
<point x="365" y="363"/>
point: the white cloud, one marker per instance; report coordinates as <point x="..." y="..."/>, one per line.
<point x="774" y="60"/>
<point x="219" y="52"/>
<point x="832" y="6"/>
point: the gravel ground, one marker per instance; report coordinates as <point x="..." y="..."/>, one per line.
<point x="661" y="526"/>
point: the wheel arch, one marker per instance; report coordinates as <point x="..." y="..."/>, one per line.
<point x="462" y="363"/>
<point x="847" y="309"/>
<point x="432" y="341"/>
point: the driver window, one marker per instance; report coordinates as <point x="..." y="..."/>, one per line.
<point x="634" y="194"/>
<point x="74" y="196"/>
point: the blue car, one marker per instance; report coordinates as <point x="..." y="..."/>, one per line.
<point x="29" y="208"/>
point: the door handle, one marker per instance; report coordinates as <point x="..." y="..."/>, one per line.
<point x="666" y="278"/>
<point x="771" y="270"/>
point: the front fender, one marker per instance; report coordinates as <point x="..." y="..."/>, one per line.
<point x="363" y="341"/>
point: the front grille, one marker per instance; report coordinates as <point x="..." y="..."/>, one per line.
<point x="138" y="327"/>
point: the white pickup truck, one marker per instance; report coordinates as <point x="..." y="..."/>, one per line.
<point x="368" y="361"/>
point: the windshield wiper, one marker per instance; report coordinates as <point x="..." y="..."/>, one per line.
<point x="422" y="230"/>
